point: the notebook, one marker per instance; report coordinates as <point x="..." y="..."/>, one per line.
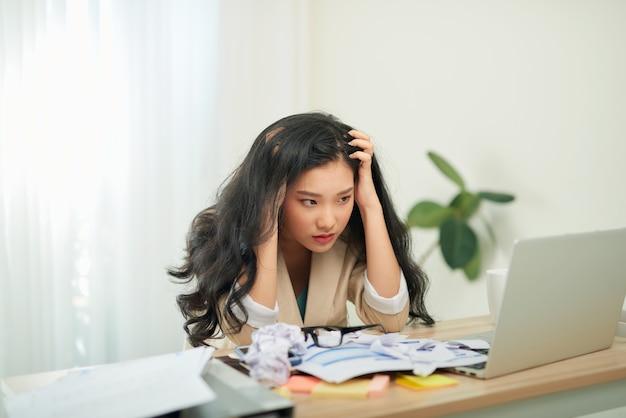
<point x="563" y="298"/>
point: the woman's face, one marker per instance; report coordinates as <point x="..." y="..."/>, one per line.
<point x="318" y="206"/>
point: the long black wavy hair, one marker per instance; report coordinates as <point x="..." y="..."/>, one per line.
<point x="222" y="238"/>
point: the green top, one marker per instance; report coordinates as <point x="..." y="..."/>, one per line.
<point x="301" y="301"/>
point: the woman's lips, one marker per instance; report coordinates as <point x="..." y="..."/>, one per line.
<point x="324" y="238"/>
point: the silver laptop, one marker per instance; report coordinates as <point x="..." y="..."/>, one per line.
<point x="563" y="298"/>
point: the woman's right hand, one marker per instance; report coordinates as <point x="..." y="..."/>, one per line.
<point x="272" y="209"/>
<point x="265" y="286"/>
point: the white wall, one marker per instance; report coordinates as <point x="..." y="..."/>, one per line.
<point x="527" y="97"/>
<point x="522" y="96"/>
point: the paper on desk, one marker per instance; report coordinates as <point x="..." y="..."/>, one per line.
<point x="472" y="343"/>
<point x="422" y="357"/>
<point x="427" y="355"/>
<point x="145" y="387"/>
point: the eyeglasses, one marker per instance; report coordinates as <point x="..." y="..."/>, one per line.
<point x="328" y="336"/>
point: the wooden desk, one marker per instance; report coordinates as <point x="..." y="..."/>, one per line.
<point x="573" y="387"/>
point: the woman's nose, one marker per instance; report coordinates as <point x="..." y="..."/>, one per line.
<point x="326" y="219"/>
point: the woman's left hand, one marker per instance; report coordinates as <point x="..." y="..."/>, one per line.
<point x="365" y="193"/>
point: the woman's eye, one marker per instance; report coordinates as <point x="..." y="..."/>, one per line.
<point x="308" y="202"/>
<point x="345" y="199"/>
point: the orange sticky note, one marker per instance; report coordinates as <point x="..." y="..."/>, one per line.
<point x="299" y="383"/>
<point x="378" y="385"/>
<point x="422" y="383"/>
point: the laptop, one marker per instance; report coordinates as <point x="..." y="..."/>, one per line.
<point x="563" y="298"/>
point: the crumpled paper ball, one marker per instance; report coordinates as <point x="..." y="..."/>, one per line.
<point x="268" y="355"/>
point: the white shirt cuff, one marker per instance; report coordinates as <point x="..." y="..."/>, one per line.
<point x="389" y="306"/>
<point x="258" y="315"/>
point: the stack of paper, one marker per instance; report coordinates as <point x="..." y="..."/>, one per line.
<point x="353" y="359"/>
<point x="146" y="387"/>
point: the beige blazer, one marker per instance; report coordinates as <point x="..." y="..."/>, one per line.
<point x="336" y="277"/>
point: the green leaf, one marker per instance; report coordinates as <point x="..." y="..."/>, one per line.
<point x="496" y="197"/>
<point x="458" y="242"/>
<point x="447" y="169"/>
<point x="472" y="269"/>
<point x="467" y="204"/>
<point x="428" y="214"/>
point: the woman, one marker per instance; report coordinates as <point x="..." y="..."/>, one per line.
<point x="303" y="225"/>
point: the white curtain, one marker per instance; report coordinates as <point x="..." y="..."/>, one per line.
<point x="118" y="121"/>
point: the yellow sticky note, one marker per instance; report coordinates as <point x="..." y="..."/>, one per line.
<point x="422" y="383"/>
<point x="354" y="388"/>
<point x="282" y="391"/>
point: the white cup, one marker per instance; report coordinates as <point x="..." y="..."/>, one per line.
<point x="496" y="282"/>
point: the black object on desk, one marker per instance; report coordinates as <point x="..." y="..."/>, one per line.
<point x="238" y="395"/>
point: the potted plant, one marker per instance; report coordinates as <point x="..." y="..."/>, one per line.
<point x="457" y="238"/>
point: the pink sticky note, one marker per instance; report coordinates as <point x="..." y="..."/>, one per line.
<point x="378" y="385"/>
<point x="301" y="383"/>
